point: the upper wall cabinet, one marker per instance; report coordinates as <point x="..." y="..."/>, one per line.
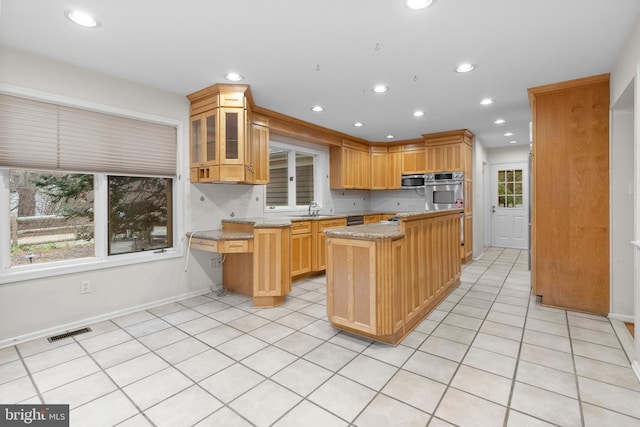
<point x="222" y="137"/>
<point x="385" y="167"/>
<point x="413" y="159"/>
<point x="449" y="151"/>
<point x="350" y="166"/>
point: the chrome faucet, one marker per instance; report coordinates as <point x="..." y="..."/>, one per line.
<point x="314" y="205"/>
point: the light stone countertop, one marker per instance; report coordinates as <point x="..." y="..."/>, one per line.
<point x="373" y="231"/>
<point x="382" y="230"/>
<point x="220" y="235"/>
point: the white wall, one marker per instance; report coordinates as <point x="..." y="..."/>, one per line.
<point x="516" y="153"/>
<point x="479" y="203"/>
<point x="625" y="73"/>
<point x="52" y="304"/>
<point x="621" y="202"/>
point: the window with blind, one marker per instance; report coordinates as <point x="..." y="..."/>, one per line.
<point x="83" y="185"/>
<point x="292" y="177"/>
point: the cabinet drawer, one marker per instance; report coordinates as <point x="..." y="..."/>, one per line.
<point x="232" y="99"/>
<point x="234" y="246"/>
<point x="300" y="227"/>
<point x="331" y="223"/>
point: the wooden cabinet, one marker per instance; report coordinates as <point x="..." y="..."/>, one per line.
<point x="386" y="167"/>
<point x="221" y="140"/>
<point x="413" y="159"/>
<point x="357" y="286"/>
<point x="300" y="247"/>
<point x="394" y="170"/>
<point x="257" y="157"/>
<point x="383" y="284"/>
<point x="370" y="219"/>
<point x="379" y="168"/>
<point x="271" y="274"/>
<point x="319" y="241"/>
<point x="257" y="267"/>
<point x="570" y="194"/>
<point x="453" y="151"/>
<point x="350" y="166"/>
<point x="449" y="151"/>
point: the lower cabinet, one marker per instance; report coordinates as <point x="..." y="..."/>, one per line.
<point x="300" y="247"/>
<point x="364" y="295"/>
<point x="368" y="219"/>
<point x="382" y="284"/>
<point x="319" y="241"/>
<point x="271" y="275"/>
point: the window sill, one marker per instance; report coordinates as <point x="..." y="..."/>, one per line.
<point x="53" y="269"/>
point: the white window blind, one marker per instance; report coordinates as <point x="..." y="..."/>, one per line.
<point x="41" y="135"/>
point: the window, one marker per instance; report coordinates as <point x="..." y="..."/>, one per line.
<point x="139" y="214"/>
<point x="51" y="216"/>
<point x="83" y="188"/>
<point x="293" y="173"/>
<point x="510" y="188"/>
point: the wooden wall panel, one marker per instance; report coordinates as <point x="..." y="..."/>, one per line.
<point x="570" y="234"/>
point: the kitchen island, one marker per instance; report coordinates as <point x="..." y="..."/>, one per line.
<point x="384" y="278"/>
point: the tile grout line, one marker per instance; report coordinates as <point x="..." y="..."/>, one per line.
<point x="575" y="370"/>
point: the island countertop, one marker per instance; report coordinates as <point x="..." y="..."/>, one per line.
<point x="385" y="229"/>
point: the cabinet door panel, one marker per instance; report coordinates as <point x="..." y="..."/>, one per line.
<point x="434" y="159"/>
<point x="414" y="161"/>
<point x="394" y="171"/>
<point x="300" y="254"/>
<point x="352" y="302"/>
<point x="232" y="136"/>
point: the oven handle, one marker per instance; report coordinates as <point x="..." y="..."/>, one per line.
<point x="443" y="182"/>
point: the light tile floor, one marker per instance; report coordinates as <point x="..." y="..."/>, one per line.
<point x="489" y="355"/>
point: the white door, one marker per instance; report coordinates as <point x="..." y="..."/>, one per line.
<point x="510" y="205"/>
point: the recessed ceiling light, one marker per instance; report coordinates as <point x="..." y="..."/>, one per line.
<point x="389" y="136"/>
<point x="234" y="77"/>
<point x="358" y="124"/>
<point x="508" y="134"/>
<point x="513" y="142"/>
<point x="419" y="4"/>
<point x="487" y="101"/>
<point x="500" y="121"/>
<point x="418" y="113"/>
<point x="81" y="18"/>
<point x="317" y="108"/>
<point x="380" y="89"/>
<point x="465" y="68"/>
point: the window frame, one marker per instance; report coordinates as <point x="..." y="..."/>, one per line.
<point x="101" y="260"/>
<point x="319" y="170"/>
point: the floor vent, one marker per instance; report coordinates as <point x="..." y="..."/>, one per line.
<point x="68" y="334"/>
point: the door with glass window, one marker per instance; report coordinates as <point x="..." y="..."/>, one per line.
<point x="510" y="205"/>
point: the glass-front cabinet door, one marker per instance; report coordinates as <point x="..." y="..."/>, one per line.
<point x="204" y="139"/>
<point x="196" y="141"/>
<point x="232" y="135"/>
<point x="211" y="152"/>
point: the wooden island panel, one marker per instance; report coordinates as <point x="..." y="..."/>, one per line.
<point x="382" y="285"/>
<point x="271" y="275"/>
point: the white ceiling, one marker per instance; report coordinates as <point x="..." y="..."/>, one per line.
<point x="298" y="53"/>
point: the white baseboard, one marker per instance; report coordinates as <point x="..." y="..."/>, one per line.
<point x="628" y="344"/>
<point x="91" y="320"/>
<point x="636" y="369"/>
<point x="622" y="317"/>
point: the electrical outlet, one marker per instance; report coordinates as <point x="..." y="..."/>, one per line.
<point x="85" y="287"/>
